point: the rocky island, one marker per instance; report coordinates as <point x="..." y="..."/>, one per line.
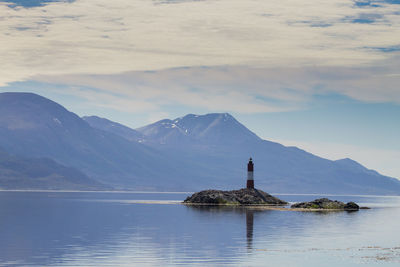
<point x="252" y="196"/>
<point x="245" y="196"/>
<point x="326" y="204"/>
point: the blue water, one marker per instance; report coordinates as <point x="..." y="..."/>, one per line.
<point x="152" y="229"/>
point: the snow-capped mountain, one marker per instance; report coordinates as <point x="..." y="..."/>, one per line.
<point x="209" y="129"/>
<point x="188" y="153"/>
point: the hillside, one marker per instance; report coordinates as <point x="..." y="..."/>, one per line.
<point x="113" y="127"/>
<point x="42" y="173"/>
<point x="223" y="145"/>
<point x="189" y="153"/>
<point x="33" y="126"/>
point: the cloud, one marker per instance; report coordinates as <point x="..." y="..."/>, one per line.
<point x="108" y="100"/>
<point x="239" y="89"/>
<point x="105" y="37"/>
<point x="221" y="89"/>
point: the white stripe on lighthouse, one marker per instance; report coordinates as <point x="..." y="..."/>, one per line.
<point x="250" y="175"/>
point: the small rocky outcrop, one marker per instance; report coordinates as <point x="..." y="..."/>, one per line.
<point x="243" y="196"/>
<point x="351" y="206"/>
<point x="326" y="204"/>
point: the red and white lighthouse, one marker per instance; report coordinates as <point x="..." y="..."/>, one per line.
<point x="250" y="174"/>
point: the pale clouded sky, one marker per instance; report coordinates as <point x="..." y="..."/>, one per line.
<point x="321" y="74"/>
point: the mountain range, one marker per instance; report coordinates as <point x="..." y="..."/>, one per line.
<point x="189" y="153"/>
<point x="42" y="173"/>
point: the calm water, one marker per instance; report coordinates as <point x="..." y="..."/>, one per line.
<point x="149" y="229"/>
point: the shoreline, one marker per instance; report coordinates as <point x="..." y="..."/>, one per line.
<point x="92" y="191"/>
<point x="266" y="207"/>
<point x="178" y="192"/>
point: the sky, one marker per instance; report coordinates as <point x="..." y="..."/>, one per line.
<point x="317" y="74"/>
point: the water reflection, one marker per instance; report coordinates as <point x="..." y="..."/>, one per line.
<point x="46" y="229"/>
<point x="246" y="213"/>
<point x="93" y="229"/>
<point x="249" y="228"/>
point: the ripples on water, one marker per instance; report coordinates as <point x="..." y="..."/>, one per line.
<point x="135" y="229"/>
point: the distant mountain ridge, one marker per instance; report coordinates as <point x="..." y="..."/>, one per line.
<point x="189" y="153"/>
<point x="42" y="173"/>
<point x="113" y="127"/>
<point x="281" y="167"/>
<point x="349" y="163"/>
<point x="33" y="126"/>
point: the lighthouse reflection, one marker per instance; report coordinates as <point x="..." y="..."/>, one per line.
<point x="235" y="213"/>
<point x="249" y="228"/>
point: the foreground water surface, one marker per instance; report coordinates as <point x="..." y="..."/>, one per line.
<point x="152" y="229"/>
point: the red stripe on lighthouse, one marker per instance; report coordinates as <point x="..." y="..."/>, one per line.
<point x="250" y="184"/>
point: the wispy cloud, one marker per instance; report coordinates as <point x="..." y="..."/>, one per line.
<point x="106" y="37"/>
<point x="232" y="89"/>
<point x="238" y="89"/>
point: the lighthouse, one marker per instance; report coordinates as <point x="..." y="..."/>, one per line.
<point x="250" y="174"/>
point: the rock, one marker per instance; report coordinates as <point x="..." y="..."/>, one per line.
<point x="326" y="204"/>
<point x="243" y="196"/>
<point x="351" y="206"/>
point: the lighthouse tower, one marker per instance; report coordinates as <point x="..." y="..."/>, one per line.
<point x="250" y="174"/>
